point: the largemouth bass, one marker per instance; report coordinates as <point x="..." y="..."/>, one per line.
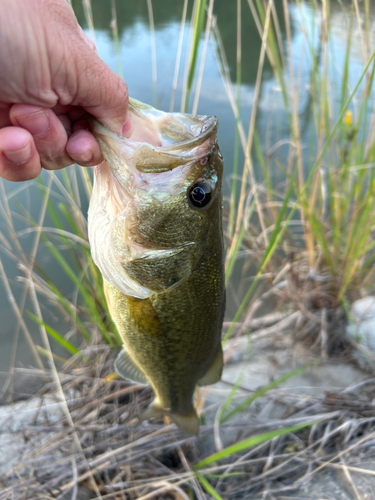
<point x="155" y="233"/>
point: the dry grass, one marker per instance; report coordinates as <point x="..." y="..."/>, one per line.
<point x="104" y="448"/>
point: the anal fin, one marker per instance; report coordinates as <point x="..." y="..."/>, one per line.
<point x="128" y="370"/>
<point x="213" y="374"/>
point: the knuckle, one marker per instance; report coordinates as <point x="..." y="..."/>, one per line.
<point x="56" y="163"/>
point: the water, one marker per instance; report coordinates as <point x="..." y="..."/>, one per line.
<point x="136" y="62"/>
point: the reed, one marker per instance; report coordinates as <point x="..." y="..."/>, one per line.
<point x="330" y="189"/>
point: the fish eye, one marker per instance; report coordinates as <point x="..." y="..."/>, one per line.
<point x="200" y="195"/>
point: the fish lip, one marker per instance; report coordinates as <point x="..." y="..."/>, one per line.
<point x="208" y="129"/>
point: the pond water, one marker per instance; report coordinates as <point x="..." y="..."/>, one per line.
<point x="150" y="79"/>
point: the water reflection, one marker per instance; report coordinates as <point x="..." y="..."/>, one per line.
<point x="169" y="12"/>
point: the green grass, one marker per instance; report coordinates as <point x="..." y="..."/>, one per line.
<point x="225" y="416"/>
<point x="197" y="27"/>
<point x="232" y="451"/>
<point x="250" y="442"/>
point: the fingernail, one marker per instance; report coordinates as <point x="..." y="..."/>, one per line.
<point x="36" y="123"/>
<point x="20" y="156"/>
<point x="127" y="128"/>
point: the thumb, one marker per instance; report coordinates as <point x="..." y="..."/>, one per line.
<point x="101" y="92"/>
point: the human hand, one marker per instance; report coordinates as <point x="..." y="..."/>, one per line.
<point x="50" y="78"/>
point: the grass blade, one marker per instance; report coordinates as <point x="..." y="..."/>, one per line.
<point x="248" y="443"/>
<point x="59" y="338"/>
<point x="264" y="390"/>
<point x="207" y="486"/>
<point x="197" y="32"/>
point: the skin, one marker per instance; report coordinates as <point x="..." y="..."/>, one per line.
<point x="50" y="78"/>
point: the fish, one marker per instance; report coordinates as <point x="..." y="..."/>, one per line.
<point x="155" y="232"/>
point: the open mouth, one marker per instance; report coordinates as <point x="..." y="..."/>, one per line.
<point x="160" y="141"/>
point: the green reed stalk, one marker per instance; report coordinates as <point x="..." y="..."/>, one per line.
<point x="54" y="334"/>
<point x="200" y="10"/>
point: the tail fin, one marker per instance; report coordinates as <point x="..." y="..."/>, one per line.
<point x="188" y="423"/>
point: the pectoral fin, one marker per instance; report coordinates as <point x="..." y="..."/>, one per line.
<point x="213" y="374"/>
<point x="128" y="370"/>
<point x="162" y="269"/>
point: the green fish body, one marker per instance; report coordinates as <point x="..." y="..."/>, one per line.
<point x="156" y="235"/>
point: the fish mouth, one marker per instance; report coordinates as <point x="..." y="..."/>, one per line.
<point x="151" y="159"/>
<point x="160" y="141"/>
